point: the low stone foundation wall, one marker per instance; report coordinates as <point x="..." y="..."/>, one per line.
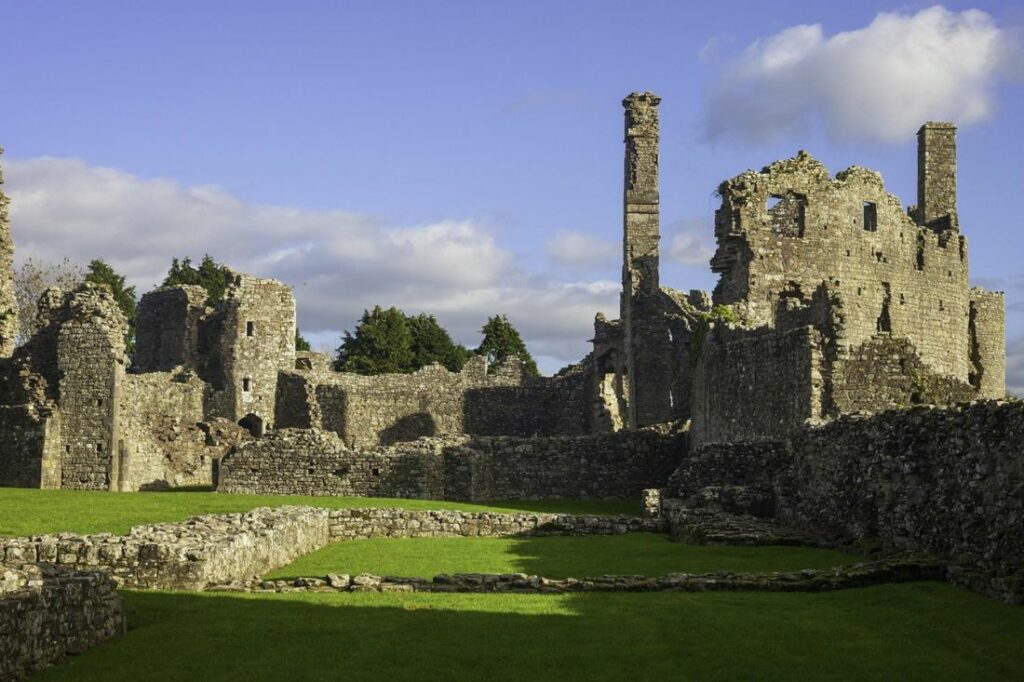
<point x="351" y="524"/>
<point x="313" y="462"/>
<point x="47" y="613"/>
<point x="808" y="580"/>
<point x="202" y="551"/>
<point x="212" y="550"/>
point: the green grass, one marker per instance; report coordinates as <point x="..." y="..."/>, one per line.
<point x="920" y="631"/>
<point x="29" y="511"/>
<point x="553" y="557"/>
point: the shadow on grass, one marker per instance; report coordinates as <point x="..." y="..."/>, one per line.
<point x="913" y="631"/>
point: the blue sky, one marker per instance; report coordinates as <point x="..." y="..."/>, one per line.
<point x="465" y="158"/>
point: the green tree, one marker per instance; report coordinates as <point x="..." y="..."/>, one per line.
<point x="99" y="272"/>
<point x="432" y="343"/>
<point x="502" y="340"/>
<point x="301" y="343"/>
<point x="211" y="275"/>
<point x="381" y="344"/>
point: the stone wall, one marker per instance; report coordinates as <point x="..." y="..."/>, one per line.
<point x="380" y="410"/>
<point x="893" y="274"/>
<point x="756" y="384"/>
<point x="988" y="343"/>
<point x="249" y="339"/>
<point x="30" y="447"/>
<point x="47" y="614"/>
<point x="91" y="360"/>
<point x="164" y="440"/>
<point x="947" y="481"/>
<point x="205" y="550"/>
<point x="167" y="328"/>
<point x="360" y="524"/>
<point x="312" y="462"/>
<point x="8" y="303"/>
<point x="886" y="373"/>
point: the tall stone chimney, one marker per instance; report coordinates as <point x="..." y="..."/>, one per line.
<point x="8" y="304"/>
<point x="641" y="217"/>
<point x="640" y="288"/>
<point x="936" y="175"/>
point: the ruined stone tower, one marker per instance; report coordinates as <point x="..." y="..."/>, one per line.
<point x="8" y="304"/>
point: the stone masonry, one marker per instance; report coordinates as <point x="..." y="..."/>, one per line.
<point x="8" y="304"/>
<point x="313" y="462"/>
<point x="48" y="613"/>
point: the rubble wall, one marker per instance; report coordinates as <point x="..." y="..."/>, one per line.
<point x="366" y="411"/>
<point x="988" y="343"/>
<point x="91" y="360"/>
<point x="29" y="448"/>
<point x="8" y="301"/>
<point x="790" y="227"/>
<point x="47" y="614"/>
<point x="203" y="551"/>
<point x="161" y="444"/>
<point x="946" y="481"/>
<point x="755" y="384"/>
<point x="312" y="462"/>
<point x="167" y="328"/>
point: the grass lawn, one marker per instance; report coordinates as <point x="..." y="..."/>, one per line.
<point x="28" y="511"/>
<point x="919" y="631"/>
<point x="553" y="557"/>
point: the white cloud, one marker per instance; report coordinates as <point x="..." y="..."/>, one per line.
<point x="338" y="262"/>
<point x="581" y="251"/>
<point x="879" y="82"/>
<point x="691" y="242"/>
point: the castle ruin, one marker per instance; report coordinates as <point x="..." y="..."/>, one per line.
<point x="832" y="299"/>
<point x="842" y="378"/>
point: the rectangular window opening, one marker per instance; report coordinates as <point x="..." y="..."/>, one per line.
<point x="250" y="328"/>
<point x="247" y="384"/>
<point x="870" y="216"/>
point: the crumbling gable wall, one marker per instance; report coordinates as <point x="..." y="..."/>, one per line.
<point x="885" y="291"/>
<point x="987" y="325"/>
<point x="894" y="275"/>
<point x="167" y="328"/>
<point x="389" y="408"/>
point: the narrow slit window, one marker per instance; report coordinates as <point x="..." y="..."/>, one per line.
<point x="247" y="384"/>
<point x="870" y="216"/>
<point x="250" y="328"/>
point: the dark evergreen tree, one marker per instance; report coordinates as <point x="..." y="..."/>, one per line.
<point x="381" y="344"/>
<point x="501" y="340"/>
<point x="211" y="275"/>
<point x="99" y="272"/>
<point x="301" y="344"/>
<point x="432" y="343"/>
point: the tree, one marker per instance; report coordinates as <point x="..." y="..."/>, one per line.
<point x="301" y="344"/>
<point x="101" y="273"/>
<point x="432" y="343"/>
<point x="211" y="275"/>
<point x="501" y="340"/>
<point x="31" y="279"/>
<point x="381" y="344"/>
